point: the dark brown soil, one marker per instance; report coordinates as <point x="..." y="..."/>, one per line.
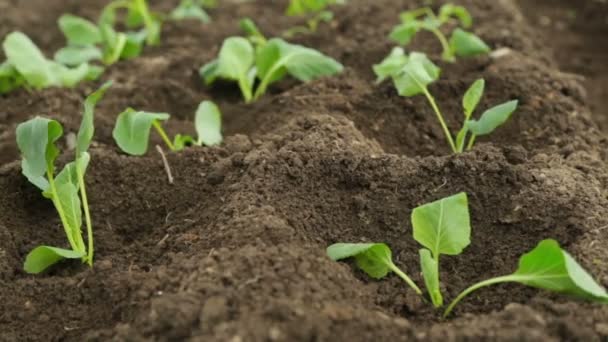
<point x="234" y="250"/>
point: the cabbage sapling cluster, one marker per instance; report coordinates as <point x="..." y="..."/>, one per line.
<point x="412" y="74"/>
<point x="461" y="42"/>
<point x="36" y="139"/>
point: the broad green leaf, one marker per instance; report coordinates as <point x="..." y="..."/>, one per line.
<point x="236" y="57"/>
<point x="373" y="258"/>
<point x="181" y="141"/>
<point x="416" y="75"/>
<point x="391" y="65"/>
<point x="76" y="55"/>
<point x="189" y="9"/>
<point x="266" y="58"/>
<point x="430" y="272"/>
<point x="208" y="123"/>
<point x="209" y="72"/>
<point x="134" y="44"/>
<point x="79" y="31"/>
<point x="492" y="118"/>
<point x="25" y="56"/>
<point x="462" y="14"/>
<point x="403" y="33"/>
<point x="466" y="44"/>
<point x="306" y="64"/>
<point x="69" y="173"/>
<point x="472" y="97"/>
<point x="87" y="127"/>
<point x="549" y="267"/>
<point x="69" y="77"/>
<point x="443" y="226"/>
<point x="132" y="130"/>
<point x="41" y="257"/>
<point x="36" y="140"/>
<point x="67" y="198"/>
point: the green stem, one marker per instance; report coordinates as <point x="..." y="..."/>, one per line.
<point x="246" y="89"/>
<point x="503" y="279"/>
<point x="143" y="9"/>
<point x="446" y="131"/>
<point x="447" y="51"/>
<point x="60" y="211"/>
<point x="404" y="276"/>
<point x="163" y="135"/>
<point x="471" y="142"/>
<point x="87" y="214"/>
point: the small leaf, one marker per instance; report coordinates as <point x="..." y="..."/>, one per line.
<point x="267" y="58"/>
<point x="189" y="9"/>
<point x="472" y="97"/>
<point x="209" y="72"/>
<point x="466" y="44"/>
<point x="76" y="55"/>
<point x="79" y="31"/>
<point x="9" y="78"/>
<point x="391" y="65"/>
<point x="29" y="61"/>
<point x="373" y="258"/>
<point x="252" y="31"/>
<point x="132" y="130"/>
<point x="492" y="118"/>
<point x="403" y="33"/>
<point x="134" y="44"/>
<point x="182" y="141"/>
<point x="69" y="173"/>
<point x="87" y="127"/>
<point x="36" y="140"/>
<point x="450" y="10"/>
<point x="416" y="75"/>
<point x="41" y="257"/>
<point x="443" y="226"/>
<point x="235" y="59"/>
<point x="208" y="124"/>
<point x="430" y="269"/>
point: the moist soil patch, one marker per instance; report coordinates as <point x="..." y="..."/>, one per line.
<point x="234" y="249"/>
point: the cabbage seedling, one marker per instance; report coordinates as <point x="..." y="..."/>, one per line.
<point x="36" y="139"/>
<point x="546" y="267"/>
<point x="192" y="9"/>
<point x="413" y="74"/>
<point x="443" y="227"/>
<point x="132" y="129"/>
<point x="375" y="259"/>
<point x="239" y="61"/>
<point x="461" y="42"/>
<point x="26" y="66"/>
<point x="316" y="10"/>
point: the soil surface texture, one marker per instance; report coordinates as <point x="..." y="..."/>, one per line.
<point x="234" y="249"/>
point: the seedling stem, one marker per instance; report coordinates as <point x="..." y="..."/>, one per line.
<point x="87" y="215"/>
<point x="404" y="276"/>
<point x="503" y="279"/>
<point x="163" y="135"/>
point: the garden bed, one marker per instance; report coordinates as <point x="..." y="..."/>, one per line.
<point x="234" y="249"/>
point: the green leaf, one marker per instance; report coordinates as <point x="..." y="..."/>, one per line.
<point x="69" y="77"/>
<point x="181" y="141"/>
<point x="266" y="58"/>
<point x="443" y="226"/>
<point x="466" y="44"/>
<point x="416" y="75"/>
<point x="252" y="31"/>
<point x="36" y="140"/>
<point x="208" y="72"/>
<point x="236" y="57"/>
<point x="462" y="14"/>
<point x="306" y="64"/>
<point x="29" y="61"/>
<point x="132" y="130"/>
<point x="76" y="55"/>
<point x="472" y="97"/>
<point x="373" y="258"/>
<point x="403" y="33"/>
<point x="95" y="71"/>
<point x="391" y="65"/>
<point x="10" y="78"/>
<point x="67" y="196"/>
<point x="69" y="173"/>
<point x="134" y="44"/>
<point x="430" y="272"/>
<point x="189" y="9"/>
<point x="79" y="31"/>
<point x="208" y="123"/>
<point x="87" y="127"/>
<point x="492" y="118"/>
<point x="41" y="257"/>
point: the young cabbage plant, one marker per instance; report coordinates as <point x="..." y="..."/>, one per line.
<point x="36" y="139"/>
<point x="267" y="63"/>
<point x="88" y="41"/>
<point x="132" y="129"/>
<point x="26" y="66"/>
<point x="193" y="9"/>
<point x="546" y="267"/>
<point x="315" y="10"/>
<point x="443" y="227"/>
<point x="375" y="259"/>
<point x="461" y="42"/>
<point x="413" y="74"/>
